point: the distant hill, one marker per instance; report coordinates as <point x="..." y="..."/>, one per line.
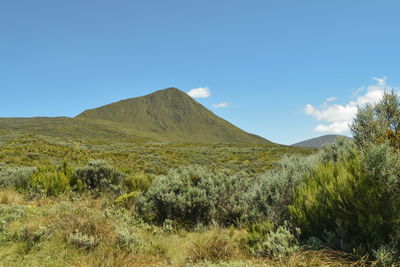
<point x="170" y="115"/>
<point x="318" y="142"/>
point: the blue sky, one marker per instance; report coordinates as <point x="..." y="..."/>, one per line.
<point x="273" y="64"/>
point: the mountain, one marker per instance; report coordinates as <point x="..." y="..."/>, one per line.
<point x="170" y="115"/>
<point x="318" y="142"/>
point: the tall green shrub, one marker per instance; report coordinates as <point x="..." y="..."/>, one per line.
<point x="138" y="181"/>
<point x="378" y="123"/>
<point x="351" y="203"/>
<point x="50" y="180"/>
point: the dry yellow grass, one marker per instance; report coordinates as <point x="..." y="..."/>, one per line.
<point x="310" y="258"/>
<point x="215" y="245"/>
<point x="10" y="197"/>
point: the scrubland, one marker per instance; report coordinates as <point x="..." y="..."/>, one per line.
<point x="72" y="202"/>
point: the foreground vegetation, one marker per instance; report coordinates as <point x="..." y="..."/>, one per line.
<point x="81" y="202"/>
<point x="87" y="203"/>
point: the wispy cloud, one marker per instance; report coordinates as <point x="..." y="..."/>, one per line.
<point x="338" y="117"/>
<point x="331" y="99"/>
<point x="220" y="105"/>
<point x="201" y="92"/>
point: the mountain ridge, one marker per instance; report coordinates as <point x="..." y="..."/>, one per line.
<point x="170" y="115"/>
<point x="319" y="142"/>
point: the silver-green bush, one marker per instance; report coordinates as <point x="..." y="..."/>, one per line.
<point x="16" y="177"/>
<point x="98" y="176"/>
<point x="195" y="195"/>
<point x="272" y="192"/>
<point x="81" y="240"/>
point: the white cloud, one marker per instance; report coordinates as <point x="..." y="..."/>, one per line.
<point x="201" y="92"/>
<point x="220" y="105"/>
<point x="336" y="127"/>
<point x="338" y="117"/>
<point x="331" y="99"/>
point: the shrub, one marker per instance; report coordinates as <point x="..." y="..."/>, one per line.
<point x="264" y="241"/>
<point x="351" y="203"/>
<point x="47" y="179"/>
<point x="127" y="240"/>
<point x="31" y="236"/>
<point x="313" y="243"/>
<point x="50" y="180"/>
<point x="256" y="235"/>
<point x="384" y="256"/>
<point x="81" y="240"/>
<point x="98" y="176"/>
<point x="281" y="243"/>
<point x="138" y="181"/>
<point x="11" y="213"/>
<point x="231" y="197"/>
<point x="272" y="192"/>
<point x="195" y="195"/>
<point x="341" y="148"/>
<point x="127" y="200"/>
<point x="379" y="123"/>
<point x="16" y="177"/>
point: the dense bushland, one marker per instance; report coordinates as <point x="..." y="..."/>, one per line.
<point x="343" y="198"/>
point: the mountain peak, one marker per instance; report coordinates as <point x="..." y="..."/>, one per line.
<point x="173" y="91"/>
<point x="171" y="115"/>
<point x="169" y="90"/>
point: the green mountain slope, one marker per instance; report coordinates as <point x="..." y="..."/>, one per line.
<point x="173" y="116"/>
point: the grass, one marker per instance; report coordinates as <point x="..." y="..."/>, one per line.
<point x="215" y="246"/>
<point x="10" y="197"/>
